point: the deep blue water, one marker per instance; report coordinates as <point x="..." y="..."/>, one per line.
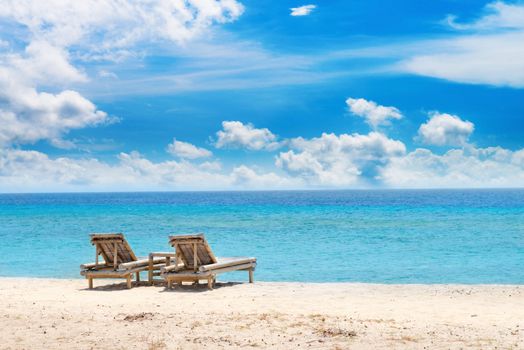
<point x="398" y="236"/>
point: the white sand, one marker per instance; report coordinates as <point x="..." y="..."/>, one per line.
<point x="52" y="314"/>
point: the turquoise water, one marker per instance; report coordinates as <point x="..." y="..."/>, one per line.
<point x="442" y="236"/>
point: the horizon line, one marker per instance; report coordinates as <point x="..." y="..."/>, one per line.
<point x="282" y="190"/>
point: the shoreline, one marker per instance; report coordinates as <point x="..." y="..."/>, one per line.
<point x="242" y="281"/>
<point x="51" y="313"/>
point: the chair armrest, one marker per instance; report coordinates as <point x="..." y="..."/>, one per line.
<point x="163" y="254"/>
<point x="172" y="268"/>
<point x="140" y="263"/>
<point x="89" y="266"/>
<point x="166" y="269"/>
<point x="228" y="262"/>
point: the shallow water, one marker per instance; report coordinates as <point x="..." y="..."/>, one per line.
<point x="420" y="236"/>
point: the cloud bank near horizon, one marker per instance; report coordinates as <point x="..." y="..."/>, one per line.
<point x="329" y="161"/>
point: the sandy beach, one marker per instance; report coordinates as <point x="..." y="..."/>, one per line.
<point x="53" y="313"/>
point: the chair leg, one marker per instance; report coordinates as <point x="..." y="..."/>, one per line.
<point x="251" y="276"/>
<point x="138" y="276"/>
<point x="128" y="281"/>
<point x="210" y="282"/>
<point x="150" y="271"/>
<point x="169" y="284"/>
<point x="90" y="281"/>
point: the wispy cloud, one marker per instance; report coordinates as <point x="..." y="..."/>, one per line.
<point x="486" y="51"/>
<point x="108" y="24"/>
<point x="304" y="10"/>
<point x="494" y="59"/>
<point x="497" y="15"/>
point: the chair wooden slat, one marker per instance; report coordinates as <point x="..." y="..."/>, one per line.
<point x="106" y="243"/>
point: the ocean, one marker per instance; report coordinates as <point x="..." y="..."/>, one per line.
<point x="378" y="236"/>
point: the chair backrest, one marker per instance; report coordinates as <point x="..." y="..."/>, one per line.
<point x="113" y="247"/>
<point x="193" y="250"/>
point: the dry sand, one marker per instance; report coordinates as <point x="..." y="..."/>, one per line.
<point x="53" y="314"/>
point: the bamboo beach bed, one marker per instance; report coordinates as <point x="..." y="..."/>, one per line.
<point x="195" y="261"/>
<point x="119" y="260"/>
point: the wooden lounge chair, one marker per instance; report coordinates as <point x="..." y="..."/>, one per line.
<point x="119" y="259"/>
<point x="194" y="261"/>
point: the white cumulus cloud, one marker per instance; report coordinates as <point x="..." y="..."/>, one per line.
<point x="339" y="160"/>
<point x="374" y="114"/>
<point x="302" y="10"/>
<point x="187" y="150"/>
<point x="235" y="134"/>
<point x="27" y="116"/>
<point x="445" y="130"/>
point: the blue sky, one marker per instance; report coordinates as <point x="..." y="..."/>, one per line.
<point x="172" y="95"/>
